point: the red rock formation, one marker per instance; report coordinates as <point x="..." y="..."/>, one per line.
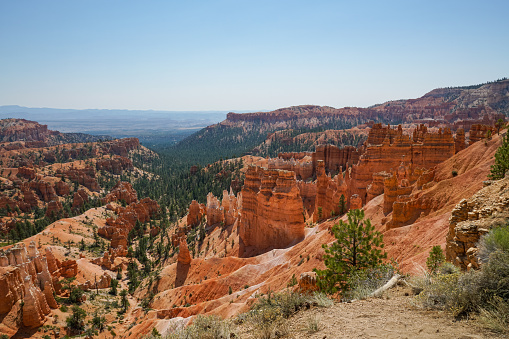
<point x="479" y="132"/>
<point x="305" y="164"/>
<point x="272" y="213"/>
<point x="69" y="268"/>
<point x="122" y="147"/>
<point x="307" y="282"/>
<point x="184" y="257"/>
<point x="45" y="189"/>
<point x="80" y="198"/>
<point x="303" y="167"/>
<point x="122" y="191"/>
<point x="472" y="218"/>
<point x="83" y="176"/>
<point x="29" y="196"/>
<point x="35" y="305"/>
<point x="196" y="213"/>
<point x="11" y="287"/>
<point x="24" y="276"/>
<point x="328" y="193"/>
<point x="435" y="148"/>
<point x="111" y="259"/>
<point x="117" y="165"/>
<point x="118" y="229"/>
<point x="355" y="202"/>
<point x="25" y="130"/>
<point x="62" y="188"/>
<point x="215" y="212"/>
<point x="377" y="186"/>
<point x="335" y="158"/>
<point x="230" y="207"/>
<point x="27" y="173"/>
<point x="459" y="140"/>
<point x="54" y="207"/>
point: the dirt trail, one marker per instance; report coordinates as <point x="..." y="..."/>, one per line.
<point x="389" y="317"/>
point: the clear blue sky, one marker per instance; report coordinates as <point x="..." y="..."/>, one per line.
<point x="233" y="55"/>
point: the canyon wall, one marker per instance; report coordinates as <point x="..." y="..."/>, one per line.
<point x="272" y="212"/>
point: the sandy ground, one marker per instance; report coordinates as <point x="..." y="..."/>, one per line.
<point x="392" y="316"/>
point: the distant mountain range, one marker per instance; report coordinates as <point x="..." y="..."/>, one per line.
<point x="454" y="108"/>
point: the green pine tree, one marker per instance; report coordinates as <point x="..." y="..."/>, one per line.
<point x="358" y="246"/>
<point x="435" y="259"/>
<point x="501" y="160"/>
<point x="342" y="205"/>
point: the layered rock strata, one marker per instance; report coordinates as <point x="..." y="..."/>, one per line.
<point x="272" y="212"/>
<point x="25" y="276"/>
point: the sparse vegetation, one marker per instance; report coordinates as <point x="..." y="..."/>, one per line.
<point x="484" y="292"/>
<point x="206" y="327"/>
<point x="364" y="282"/>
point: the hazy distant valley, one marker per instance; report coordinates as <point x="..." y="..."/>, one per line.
<point x="151" y="127"/>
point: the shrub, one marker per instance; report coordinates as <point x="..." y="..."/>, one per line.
<point x="267" y="323"/>
<point x="287" y="303"/>
<point x="206" y="327"/>
<point x="364" y="282"/>
<point x="483" y="291"/>
<point x="313" y="324"/>
<point x="496" y="316"/>
<point x="321" y="300"/>
<point x="292" y="281"/>
<point x="496" y="239"/>
<point x="454" y="173"/>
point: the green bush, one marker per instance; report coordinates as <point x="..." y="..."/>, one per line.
<point x="496" y="239"/>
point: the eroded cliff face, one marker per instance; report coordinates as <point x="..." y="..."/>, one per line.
<point x="272" y="212"/>
<point x="474" y="217"/>
<point x="269" y="211"/>
<point x="25" y="277"/>
<point x="362" y="172"/>
<point x="459" y="107"/>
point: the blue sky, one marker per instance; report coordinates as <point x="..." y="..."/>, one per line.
<point x="244" y="55"/>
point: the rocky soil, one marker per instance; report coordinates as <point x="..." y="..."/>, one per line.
<point x="392" y="316"/>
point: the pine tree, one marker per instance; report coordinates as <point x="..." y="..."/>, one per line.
<point x="501" y="160"/>
<point x="358" y="246"/>
<point x="342" y="205"/>
<point x="435" y="259"/>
